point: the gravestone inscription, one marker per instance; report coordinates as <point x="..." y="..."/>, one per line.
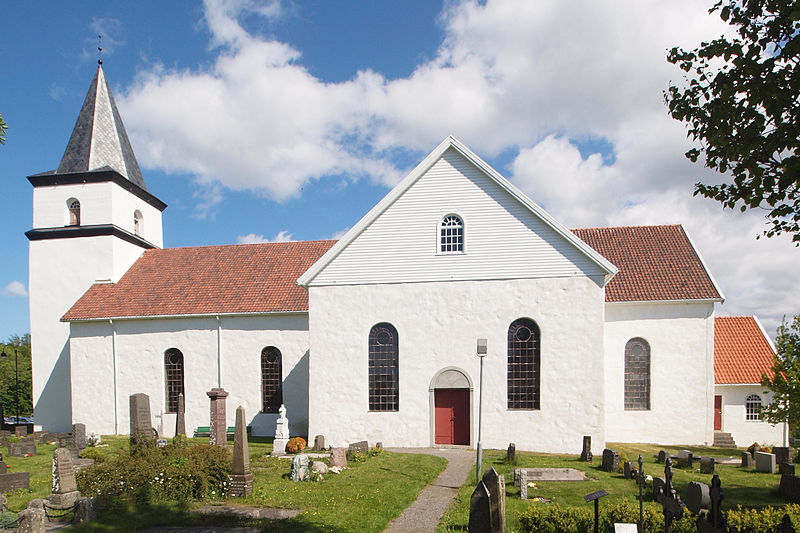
<point x="65" y="491"/>
<point x="140" y="420"/>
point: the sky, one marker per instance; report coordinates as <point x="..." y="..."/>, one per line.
<point x="271" y="120"/>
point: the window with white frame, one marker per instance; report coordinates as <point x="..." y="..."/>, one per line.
<point x="137" y="222"/>
<point x="451" y="234"/>
<point x="752" y="407"/>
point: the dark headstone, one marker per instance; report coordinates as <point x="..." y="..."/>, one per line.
<point x="487" y="504"/>
<point x="628" y="469"/>
<point x="300" y="468"/>
<point x="319" y="443"/>
<point x="707" y="465"/>
<point x="241" y="477"/>
<point x="790" y="488"/>
<point x="79" y="436"/>
<point x="782" y="454"/>
<point x="480" y="513"/>
<point x="141" y="423"/>
<point x="610" y="460"/>
<point x="338" y="457"/>
<point x="361" y="446"/>
<point x="85" y="510"/>
<point x="379" y="445"/>
<point x="685" y="459"/>
<point x="180" y="419"/>
<point x="21" y="431"/>
<point x="3" y="467"/>
<point x="219" y="424"/>
<point x="786" y="469"/>
<point x="14" y="481"/>
<point x="697" y="496"/>
<point x="658" y="488"/>
<point x="22" y="448"/>
<point x="662" y="457"/>
<point x="586" y="451"/>
<point x="747" y="461"/>
<point x="786" y="525"/>
<point x="511" y="453"/>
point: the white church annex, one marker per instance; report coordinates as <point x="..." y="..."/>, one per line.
<point x="607" y="332"/>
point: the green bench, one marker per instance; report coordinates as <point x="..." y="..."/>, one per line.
<point x="205" y="431"/>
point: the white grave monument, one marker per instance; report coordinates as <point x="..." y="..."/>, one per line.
<point x="281" y="433"/>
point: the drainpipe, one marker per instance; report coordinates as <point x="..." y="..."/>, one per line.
<point x="219" y="353"/>
<point x="114" y="371"/>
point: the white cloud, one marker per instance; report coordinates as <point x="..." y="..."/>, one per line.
<point x="534" y="79"/>
<point x="252" y="238"/>
<point x="15" y="288"/>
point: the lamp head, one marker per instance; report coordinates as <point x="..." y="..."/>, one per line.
<point x="482" y="347"/>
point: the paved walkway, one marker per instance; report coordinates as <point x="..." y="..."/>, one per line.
<point x="424" y="514"/>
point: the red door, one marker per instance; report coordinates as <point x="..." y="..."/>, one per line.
<point x="451" y="412"/>
<point x="717" y="413"/>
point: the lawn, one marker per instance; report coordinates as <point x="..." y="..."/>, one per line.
<point x="364" y="497"/>
<point x="746" y="488"/>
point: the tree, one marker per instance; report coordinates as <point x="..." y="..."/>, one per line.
<point x="742" y="105"/>
<point x="22" y="345"/>
<point x="3" y="129"/>
<point x="785" y="380"/>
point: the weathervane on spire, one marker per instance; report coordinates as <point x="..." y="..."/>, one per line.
<point x="100" y="49"/>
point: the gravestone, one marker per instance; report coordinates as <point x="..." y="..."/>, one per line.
<point x="218" y="433"/>
<point x="480" y="510"/>
<point x="790" y="488"/>
<point x="3" y="465"/>
<point x="300" y="471"/>
<point x="379" y="444"/>
<point x="707" y="465"/>
<point x="511" y="454"/>
<point x="14" y="481"/>
<point x="22" y="448"/>
<point x="523" y="483"/>
<point x="786" y="525"/>
<point x="21" y="431"/>
<point x="79" y="436"/>
<point x="685" y="459"/>
<point x="141" y="421"/>
<point x="610" y="460"/>
<point x="65" y="491"/>
<point x="338" y="457"/>
<point x="319" y="443"/>
<point x="747" y="461"/>
<point x="85" y="510"/>
<point x="32" y="521"/>
<point x="658" y="488"/>
<point x="662" y="456"/>
<point x="765" y="462"/>
<point x="361" y="446"/>
<point x="714" y="520"/>
<point x="786" y="469"/>
<point x="586" y="451"/>
<point x="625" y="528"/>
<point x="180" y="419"/>
<point x="487" y="504"/>
<point x="782" y="454"/>
<point x="281" y="433"/>
<point x="697" y="496"/>
<point x="241" y="476"/>
<point x="671" y="503"/>
<point x="628" y="470"/>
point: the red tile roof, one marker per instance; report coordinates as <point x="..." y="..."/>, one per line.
<point x="741" y="351"/>
<point x="655" y="263"/>
<point x="207" y="280"/>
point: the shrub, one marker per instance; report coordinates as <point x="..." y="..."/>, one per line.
<point x="766" y="519"/>
<point x="550" y="518"/>
<point x="295" y="445"/>
<point x="357" y="457"/>
<point x="374" y="452"/>
<point x="93" y="453"/>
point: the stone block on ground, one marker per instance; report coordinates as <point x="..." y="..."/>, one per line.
<point x="707" y="465"/>
<point x="782" y="454"/>
<point x="586" y="450"/>
<point x="141" y="422"/>
<point x="22" y="448"/>
<point x="79" y="436"/>
<point x="748" y="461"/>
<point x="685" y="459"/>
<point x="361" y="446"/>
<point x="338" y="457"/>
<point x="300" y="468"/>
<point x="511" y="453"/>
<point x="319" y="443"/>
<point x="610" y="460"/>
<point x="32" y="521"/>
<point x="790" y="488"/>
<point x="698" y="496"/>
<point x="14" y="481"/>
<point x="662" y="457"/>
<point x="85" y="510"/>
<point x="765" y="462"/>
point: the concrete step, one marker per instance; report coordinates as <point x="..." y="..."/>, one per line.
<point x="723" y="440"/>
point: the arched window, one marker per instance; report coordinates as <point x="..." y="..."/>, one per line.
<point x="752" y="407"/>
<point x="451" y="234"/>
<point x="137" y="222"/>
<point x="523" y="364"/>
<point x="384" y="377"/>
<point x="637" y="375"/>
<point x="173" y="373"/>
<point x="74" y="210"/>
<point x="271" y="380"/>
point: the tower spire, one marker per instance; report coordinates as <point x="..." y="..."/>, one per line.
<point x="100" y="49"/>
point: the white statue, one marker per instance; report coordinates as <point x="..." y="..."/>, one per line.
<point x="281" y="433"/>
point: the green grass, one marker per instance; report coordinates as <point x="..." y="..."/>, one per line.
<point x="746" y="488"/>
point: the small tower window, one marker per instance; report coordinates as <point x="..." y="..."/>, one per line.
<point x="451" y="234"/>
<point x="74" y="208"/>
<point x="137" y="222"/>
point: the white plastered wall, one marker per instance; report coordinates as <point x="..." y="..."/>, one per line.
<point x="438" y="324"/>
<point x="746" y="432"/>
<point x="681" y="339"/>
<point x="136" y="349"/>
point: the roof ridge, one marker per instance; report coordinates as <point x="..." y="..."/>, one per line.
<point x="243" y="244"/>
<point x="631" y="226"/>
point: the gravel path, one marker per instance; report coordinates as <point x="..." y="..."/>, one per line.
<point x="424" y="514"/>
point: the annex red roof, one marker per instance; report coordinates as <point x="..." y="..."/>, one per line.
<point x="741" y="351"/>
<point x="656" y="263"/>
<point x="206" y="280"/>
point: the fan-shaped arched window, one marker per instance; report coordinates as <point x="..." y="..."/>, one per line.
<point x="74" y="210"/>
<point x="637" y="375"/>
<point x="384" y="377"/>
<point x="752" y="407"/>
<point x="523" y="364"/>
<point x="271" y="380"/>
<point x="137" y="222"/>
<point x="173" y="374"/>
<point x="451" y="234"/>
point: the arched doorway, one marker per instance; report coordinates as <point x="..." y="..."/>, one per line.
<point x="450" y="397"/>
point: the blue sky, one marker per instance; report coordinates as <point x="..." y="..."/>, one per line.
<point x="264" y="120"/>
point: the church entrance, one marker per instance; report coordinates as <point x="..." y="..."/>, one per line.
<point x="451" y="407"/>
<point x="452" y="416"/>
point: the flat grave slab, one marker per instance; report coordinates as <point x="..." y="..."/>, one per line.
<point x="554" y="474"/>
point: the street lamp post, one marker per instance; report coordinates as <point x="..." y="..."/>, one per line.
<point x="16" y="385"/>
<point x="481" y="349"/>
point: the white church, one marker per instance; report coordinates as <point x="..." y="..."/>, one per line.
<point x="607" y="332"/>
